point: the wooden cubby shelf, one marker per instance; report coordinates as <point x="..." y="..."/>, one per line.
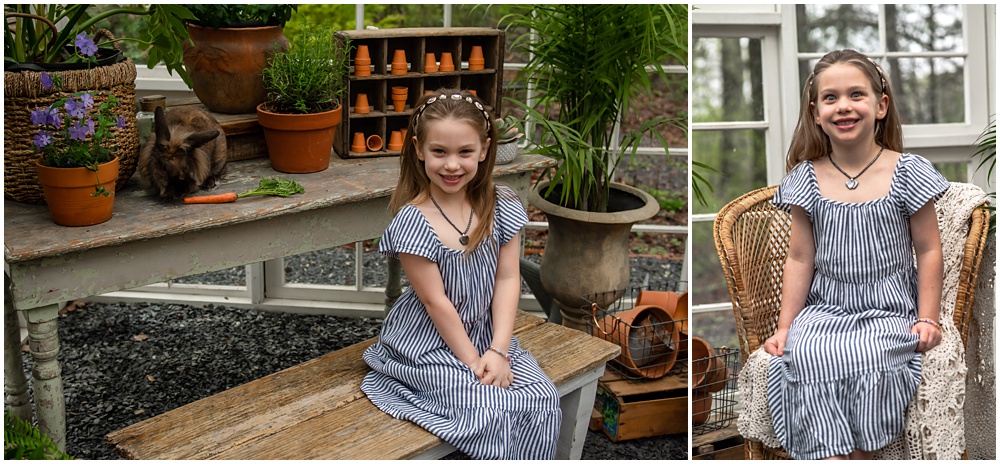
<point x="416" y="43"/>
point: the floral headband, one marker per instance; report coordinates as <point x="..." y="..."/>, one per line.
<point x="442" y="97"/>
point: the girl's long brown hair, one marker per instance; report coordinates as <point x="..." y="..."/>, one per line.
<point x="809" y="142"/>
<point x="414" y="185"/>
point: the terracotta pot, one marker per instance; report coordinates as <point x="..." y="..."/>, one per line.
<point x="225" y="65"/>
<point x="70" y="193"/>
<point x="395" y="141"/>
<point x="701" y="407"/>
<point x="374" y="143"/>
<point x="446" y="62"/>
<point x="648" y="338"/>
<point x="587" y="252"/>
<point x="476" y="60"/>
<point x="430" y="63"/>
<point x="358" y="145"/>
<point x="681" y="314"/>
<point x="299" y="143"/>
<point x="708" y="369"/>
<point x="473" y="92"/>
<point x="361" y="104"/>
<point x="399" y="62"/>
<point x="362" y="62"/>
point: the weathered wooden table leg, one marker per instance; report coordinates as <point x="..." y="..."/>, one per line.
<point x="576" y="407"/>
<point x="394" y="284"/>
<point x="15" y="383"/>
<point x="50" y="404"/>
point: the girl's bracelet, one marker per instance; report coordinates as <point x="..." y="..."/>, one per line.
<point x="501" y="353"/>
<point x="929" y="321"/>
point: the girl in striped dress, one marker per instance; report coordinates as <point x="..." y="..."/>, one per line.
<point x="446" y="358"/>
<point x="855" y="311"/>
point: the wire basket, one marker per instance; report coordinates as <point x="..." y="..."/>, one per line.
<point x="713" y="395"/>
<point x="653" y="342"/>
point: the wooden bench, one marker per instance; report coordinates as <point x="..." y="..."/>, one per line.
<point x="316" y="410"/>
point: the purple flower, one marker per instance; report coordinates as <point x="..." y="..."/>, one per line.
<point x="75" y="109"/>
<point x="87" y="100"/>
<point x="54" y="118"/>
<point x="40" y="116"/>
<point x="121" y="122"/>
<point x="46" y="81"/>
<point x="85" y="44"/>
<point x="90" y="126"/>
<point x="42" y="139"/>
<point x="78" y="131"/>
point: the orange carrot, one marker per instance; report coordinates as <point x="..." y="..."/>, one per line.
<point x="228" y="197"/>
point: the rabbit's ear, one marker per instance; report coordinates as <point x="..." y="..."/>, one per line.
<point x="198" y="139"/>
<point x="160" y="124"/>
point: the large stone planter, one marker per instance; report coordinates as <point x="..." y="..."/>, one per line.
<point x="587" y="253"/>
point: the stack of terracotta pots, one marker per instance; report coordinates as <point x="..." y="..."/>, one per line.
<point x="709" y="374"/>
<point x="651" y="333"/>
<point x="399" y="94"/>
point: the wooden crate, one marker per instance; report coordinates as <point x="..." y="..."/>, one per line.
<point x="642" y="409"/>
<point x="417" y="42"/>
<point x="726" y="444"/>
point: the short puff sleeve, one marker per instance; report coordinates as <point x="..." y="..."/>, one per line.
<point x="797" y="188"/>
<point x="918" y="183"/>
<point x="408" y="233"/>
<point x="510" y="214"/>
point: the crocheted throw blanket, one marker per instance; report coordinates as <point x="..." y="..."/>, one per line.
<point x="935" y="423"/>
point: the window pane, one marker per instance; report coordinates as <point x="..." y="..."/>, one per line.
<point x="727" y="80"/>
<point x="739" y="158"/>
<point x="954" y="172"/>
<point x="823" y="28"/>
<point x="929" y="90"/>
<point x="232" y="276"/>
<point x="718" y="328"/>
<point x="706" y="270"/>
<point x="920" y="28"/>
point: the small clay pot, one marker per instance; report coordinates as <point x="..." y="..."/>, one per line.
<point x="362" y="62"/>
<point x="395" y="141"/>
<point x="701" y="407"/>
<point x="430" y="63"/>
<point x="665" y="300"/>
<point x="476" y="61"/>
<point x="708" y="370"/>
<point x="358" y="145"/>
<point x="374" y="143"/>
<point x="399" y="62"/>
<point x="361" y="104"/>
<point x="446" y="62"/>
<point x="648" y="337"/>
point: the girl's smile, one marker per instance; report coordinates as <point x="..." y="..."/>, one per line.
<point x="846" y="107"/>
<point x="451" y="151"/>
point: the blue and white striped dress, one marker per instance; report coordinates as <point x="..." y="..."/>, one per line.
<point x="849" y="367"/>
<point x="416" y="377"/>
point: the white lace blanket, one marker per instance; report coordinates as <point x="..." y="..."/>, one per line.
<point x="935" y="424"/>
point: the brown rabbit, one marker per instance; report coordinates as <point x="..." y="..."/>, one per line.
<point x="187" y="152"/>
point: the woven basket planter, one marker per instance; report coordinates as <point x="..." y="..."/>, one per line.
<point x="23" y="93"/>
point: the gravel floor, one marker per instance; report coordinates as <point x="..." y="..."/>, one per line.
<point x="125" y="363"/>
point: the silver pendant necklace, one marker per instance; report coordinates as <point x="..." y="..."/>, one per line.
<point x="463" y="237"/>
<point x="852" y="182"/>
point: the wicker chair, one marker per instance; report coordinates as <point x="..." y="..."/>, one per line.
<point x="752" y="237"/>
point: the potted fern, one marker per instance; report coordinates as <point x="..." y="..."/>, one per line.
<point x="589" y="65"/>
<point x="305" y="85"/>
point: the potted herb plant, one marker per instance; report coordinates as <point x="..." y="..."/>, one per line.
<point x="230" y="45"/>
<point x="305" y="85"/>
<point x="46" y="38"/>
<point x="77" y="168"/>
<point x="589" y="65"/>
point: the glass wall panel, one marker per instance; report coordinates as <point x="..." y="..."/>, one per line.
<point x="727" y="80"/>
<point x="740" y="159"/>
<point x="823" y="28"/>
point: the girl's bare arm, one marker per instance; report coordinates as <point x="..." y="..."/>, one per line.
<point x="425" y="278"/>
<point x="930" y="273"/>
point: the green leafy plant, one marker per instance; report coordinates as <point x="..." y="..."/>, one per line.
<point x="589" y="66"/>
<point x="309" y="76"/>
<point x="21" y="440"/>
<point x="986" y="150"/>
<point x="41" y="33"/>
<point x="218" y="15"/>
